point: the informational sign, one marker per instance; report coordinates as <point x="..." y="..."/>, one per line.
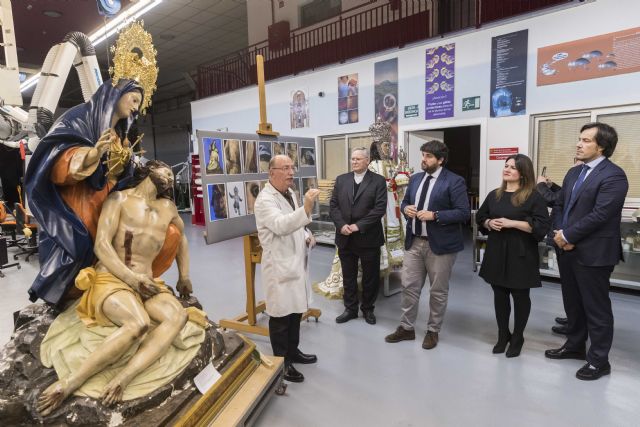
<point x="509" y="74"/>
<point x="502" y="153"/>
<point x="471" y="103"/>
<point x="411" y="111"/>
<point x="386" y="97"/>
<point x="439" y="81"/>
<point x="236" y="169"/>
<point x="591" y="58"/>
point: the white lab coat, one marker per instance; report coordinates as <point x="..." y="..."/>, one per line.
<point x="282" y="237"/>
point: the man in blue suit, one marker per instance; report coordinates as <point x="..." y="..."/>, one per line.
<point x="435" y="206"/>
<point x="586" y="221"/>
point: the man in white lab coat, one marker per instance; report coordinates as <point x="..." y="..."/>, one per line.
<point x="283" y="237"/>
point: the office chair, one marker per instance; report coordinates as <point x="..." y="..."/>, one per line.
<point x="28" y="244"/>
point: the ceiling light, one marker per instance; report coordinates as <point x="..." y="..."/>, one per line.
<point x="133" y="12"/>
<point x="52" y="13"/>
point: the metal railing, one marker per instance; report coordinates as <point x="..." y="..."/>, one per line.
<point x="368" y="28"/>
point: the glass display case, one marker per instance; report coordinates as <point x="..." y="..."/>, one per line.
<point x="626" y="274"/>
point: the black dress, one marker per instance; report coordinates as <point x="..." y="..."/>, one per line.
<point x="511" y="259"/>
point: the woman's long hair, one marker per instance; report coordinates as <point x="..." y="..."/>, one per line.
<point x="524" y="166"/>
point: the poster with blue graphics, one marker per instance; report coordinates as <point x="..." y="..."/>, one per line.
<point x="509" y="74"/>
<point x="439" y="81"/>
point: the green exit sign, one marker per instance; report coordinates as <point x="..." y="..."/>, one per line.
<point x="472" y="103"/>
<point x="411" y="111"/>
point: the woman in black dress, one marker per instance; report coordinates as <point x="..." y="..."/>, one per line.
<point x="515" y="217"/>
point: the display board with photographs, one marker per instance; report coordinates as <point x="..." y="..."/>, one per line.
<point x="236" y="170"/>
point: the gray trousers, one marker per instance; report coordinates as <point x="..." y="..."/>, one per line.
<point x="419" y="261"/>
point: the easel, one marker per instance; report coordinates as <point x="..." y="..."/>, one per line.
<point x="247" y="322"/>
<point x="252" y="250"/>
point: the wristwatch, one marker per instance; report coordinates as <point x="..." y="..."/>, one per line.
<point x="436" y="216"/>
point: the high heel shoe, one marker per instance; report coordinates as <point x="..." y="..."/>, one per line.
<point x="503" y="340"/>
<point x="515" y="346"/>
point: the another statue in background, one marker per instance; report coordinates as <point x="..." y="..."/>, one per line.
<point x="397" y="176"/>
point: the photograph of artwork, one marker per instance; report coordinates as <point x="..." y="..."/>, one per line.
<point x="250" y="156"/>
<point x="232" y="156"/>
<point x="292" y="152"/>
<point x="299" y="109"/>
<point x="217" y="202"/>
<point x="279" y="148"/>
<point x="236" y="199"/>
<point x="307" y="184"/>
<point x="307" y="156"/>
<point x="253" y="189"/>
<point x="212" y="148"/>
<point x="296" y="190"/>
<point x="264" y="154"/>
<point x="348" y="99"/>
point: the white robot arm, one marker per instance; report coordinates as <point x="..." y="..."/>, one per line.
<point x="76" y="50"/>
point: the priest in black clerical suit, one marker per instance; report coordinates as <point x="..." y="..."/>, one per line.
<point x="358" y="203"/>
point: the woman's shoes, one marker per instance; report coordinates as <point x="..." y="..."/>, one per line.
<point x="515" y="346"/>
<point x="503" y="340"/>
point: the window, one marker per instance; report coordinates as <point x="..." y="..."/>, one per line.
<point x="318" y="11"/>
<point x="555" y="140"/>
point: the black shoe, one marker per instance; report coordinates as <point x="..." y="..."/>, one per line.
<point x="346" y="316"/>
<point x="561" y="320"/>
<point x="300" y="357"/>
<point x="589" y="372"/>
<point x="515" y="346"/>
<point x="292" y="374"/>
<point x="369" y="317"/>
<point x="565" y="353"/>
<point x="560" y="330"/>
<point x="501" y="345"/>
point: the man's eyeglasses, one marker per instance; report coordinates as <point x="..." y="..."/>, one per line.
<point x="286" y="168"/>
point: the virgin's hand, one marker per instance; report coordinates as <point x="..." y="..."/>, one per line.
<point x="105" y="141"/>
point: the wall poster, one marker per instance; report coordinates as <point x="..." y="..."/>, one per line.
<point x="509" y="74"/>
<point x="591" y="58"/>
<point x="439" y="82"/>
<point x="348" y="99"/>
<point x="386" y="97"/>
<point x="238" y="170"/>
<point x="299" y="109"/>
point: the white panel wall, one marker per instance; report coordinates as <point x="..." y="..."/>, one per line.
<point x="239" y="110"/>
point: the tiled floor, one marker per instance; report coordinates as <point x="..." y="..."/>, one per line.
<point x="362" y="381"/>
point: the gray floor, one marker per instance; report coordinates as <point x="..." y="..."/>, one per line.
<point x="362" y="381"/>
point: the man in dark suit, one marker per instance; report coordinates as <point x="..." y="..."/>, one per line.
<point x="586" y="220"/>
<point x="436" y="206"/>
<point x="358" y="203"/>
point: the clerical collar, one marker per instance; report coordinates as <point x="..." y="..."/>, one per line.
<point x="358" y="177"/>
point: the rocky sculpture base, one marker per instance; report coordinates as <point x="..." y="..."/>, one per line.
<point x="23" y="378"/>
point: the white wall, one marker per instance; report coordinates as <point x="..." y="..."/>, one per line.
<point x="239" y="110"/>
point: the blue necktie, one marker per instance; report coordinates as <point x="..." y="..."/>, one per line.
<point x="574" y="193"/>
<point x="421" y="201"/>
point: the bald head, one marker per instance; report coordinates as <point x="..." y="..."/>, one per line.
<point x="281" y="172"/>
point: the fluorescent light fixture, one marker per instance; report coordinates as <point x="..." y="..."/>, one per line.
<point x="116" y="24"/>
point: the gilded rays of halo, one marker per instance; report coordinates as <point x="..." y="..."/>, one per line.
<point x="134" y="58"/>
